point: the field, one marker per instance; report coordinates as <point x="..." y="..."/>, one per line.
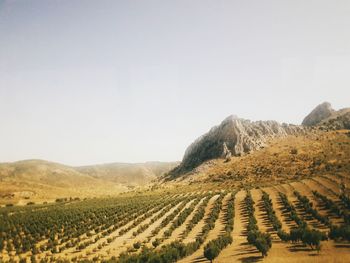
<point x="167" y="226"/>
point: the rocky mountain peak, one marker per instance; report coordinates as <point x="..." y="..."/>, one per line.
<point x="320" y="113"/>
<point x="234" y="136"/>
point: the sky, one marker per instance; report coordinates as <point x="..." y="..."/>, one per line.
<point x="85" y="82"/>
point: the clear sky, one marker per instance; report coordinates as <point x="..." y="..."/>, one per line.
<point x="84" y="82"/>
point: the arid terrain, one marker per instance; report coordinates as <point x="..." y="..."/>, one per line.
<point x="41" y="181"/>
<point x="280" y="194"/>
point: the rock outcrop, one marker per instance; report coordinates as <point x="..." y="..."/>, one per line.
<point x="234" y="136"/>
<point x="325" y="117"/>
<point x="226" y="153"/>
<point x="320" y="113"/>
<point x="337" y="121"/>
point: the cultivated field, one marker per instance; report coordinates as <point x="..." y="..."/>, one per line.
<point x="300" y="221"/>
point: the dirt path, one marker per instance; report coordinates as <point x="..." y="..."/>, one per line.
<point x="214" y="233"/>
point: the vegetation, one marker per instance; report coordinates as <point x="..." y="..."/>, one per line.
<point x="176" y="250"/>
<point x="85" y="227"/>
<point x="213" y="248"/>
<point x="276" y="223"/>
<point x="302" y="233"/>
<point x="290" y="210"/>
<point x="340" y="233"/>
<point x="308" y="207"/>
<point x="262" y="241"/>
<point x="58" y="226"/>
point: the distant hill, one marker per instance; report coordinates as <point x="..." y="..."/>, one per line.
<point x="128" y="174"/>
<point x="39" y="179"/>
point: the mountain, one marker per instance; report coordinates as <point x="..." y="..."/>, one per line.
<point x="286" y="158"/>
<point x="321" y="112"/>
<point x="324" y="116"/>
<point x="240" y="151"/>
<point x="41" y="180"/>
<point x="233" y="137"/>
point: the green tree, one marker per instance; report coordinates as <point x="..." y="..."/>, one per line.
<point x="211" y="251"/>
<point x="262" y="245"/>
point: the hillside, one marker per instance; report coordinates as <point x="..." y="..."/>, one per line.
<point x="37" y="180"/>
<point x="236" y="137"/>
<point x="126" y="173"/>
<point x="293" y="157"/>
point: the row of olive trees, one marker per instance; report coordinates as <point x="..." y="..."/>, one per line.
<point x="177" y="250"/>
<point x="213" y="248"/>
<point x="336" y="232"/>
<point x="262" y="241"/>
<point x="302" y="233"/>
<point x="58" y="226"/>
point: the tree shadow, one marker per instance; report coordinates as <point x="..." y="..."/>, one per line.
<point x="298" y="248"/>
<point x="342" y="245"/>
<point x="251" y="259"/>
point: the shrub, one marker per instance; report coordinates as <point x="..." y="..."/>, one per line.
<point x="294" y="151"/>
<point x="156" y="243"/>
<point x="340" y="233"/>
<point x="214" y="247"/>
<point x="137" y="245"/>
<point x="312" y="238"/>
<point x="211" y="251"/>
<point x="284" y="236"/>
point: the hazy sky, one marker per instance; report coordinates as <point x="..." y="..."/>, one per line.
<point x="84" y="82"/>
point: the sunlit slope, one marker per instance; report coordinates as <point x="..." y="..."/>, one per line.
<point x="289" y="158"/>
<point x="37" y="179"/>
<point x="33" y="180"/>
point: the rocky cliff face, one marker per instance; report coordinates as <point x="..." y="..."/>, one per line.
<point x="320" y="113"/>
<point x="234" y="136"/>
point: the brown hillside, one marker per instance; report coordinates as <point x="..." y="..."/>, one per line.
<point x="289" y="158"/>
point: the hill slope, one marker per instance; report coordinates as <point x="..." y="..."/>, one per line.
<point x="41" y="180"/>
<point x="286" y="158"/>
<point x="128" y="174"/>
